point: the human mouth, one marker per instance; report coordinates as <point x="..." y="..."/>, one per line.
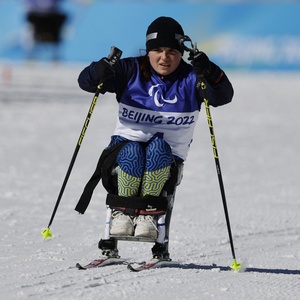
<point x="165" y="65"/>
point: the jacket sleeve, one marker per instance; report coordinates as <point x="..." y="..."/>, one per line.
<point x="219" y="93"/>
<point x="89" y="79"/>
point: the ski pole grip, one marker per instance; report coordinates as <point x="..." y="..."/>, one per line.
<point x="114" y="55"/>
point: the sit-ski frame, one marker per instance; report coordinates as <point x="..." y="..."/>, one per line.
<point x="163" y="223"/>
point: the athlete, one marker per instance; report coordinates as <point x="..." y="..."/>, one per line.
<point x="159" y="98"/>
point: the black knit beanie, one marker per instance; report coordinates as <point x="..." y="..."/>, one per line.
<point x="164" y="32"/>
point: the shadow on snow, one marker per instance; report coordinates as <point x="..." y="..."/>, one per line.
<point x="246" y="270"/>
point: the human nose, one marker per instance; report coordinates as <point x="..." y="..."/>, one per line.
<point x="164" y="54"/>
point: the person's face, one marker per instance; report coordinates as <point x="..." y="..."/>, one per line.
<point x="164" y="60"/>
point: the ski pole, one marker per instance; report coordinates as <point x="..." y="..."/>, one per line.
<point x="113" y="57"/>
<point x="235" y="265"/>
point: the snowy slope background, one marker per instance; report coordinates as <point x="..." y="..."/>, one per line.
<point x="42" y="111"/>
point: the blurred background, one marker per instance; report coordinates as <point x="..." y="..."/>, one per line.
<point x="255" y="35"/>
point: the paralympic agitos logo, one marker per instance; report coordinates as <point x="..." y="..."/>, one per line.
<point x="159" y="100"/>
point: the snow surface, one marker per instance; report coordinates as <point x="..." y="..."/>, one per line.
<point x="42" y="111"/>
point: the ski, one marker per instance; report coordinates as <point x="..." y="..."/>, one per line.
<point x="101" y="262"/>
<point x="134" y="266"/>
<point x="152" y="264"/>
